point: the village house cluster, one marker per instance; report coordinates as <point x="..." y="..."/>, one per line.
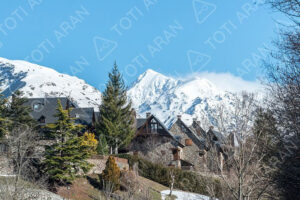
<point x="182" y="146"/>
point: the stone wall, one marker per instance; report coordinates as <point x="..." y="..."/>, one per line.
<point x="190" y="153"/>
<point x="5" y="167"/>
<point x="99" y="163"/>
<point x="157" y="149"/>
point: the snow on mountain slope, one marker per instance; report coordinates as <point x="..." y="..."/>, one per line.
<point x="39" y="81"/>
<point x="167" y="97"/>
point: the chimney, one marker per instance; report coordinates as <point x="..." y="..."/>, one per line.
<point x="176" y="154"/>
<point x="179" y="117"/>
<point x="211" y="127"/>
<point x="148" y="114"/>
<point x="133" y="113"/>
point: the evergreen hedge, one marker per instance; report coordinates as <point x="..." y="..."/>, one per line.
<point x="184" y="180"/>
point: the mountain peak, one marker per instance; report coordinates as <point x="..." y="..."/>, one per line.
<point x="39" y="81"/>
<point x="149" y="73"/>
<point x="194" y="97"/>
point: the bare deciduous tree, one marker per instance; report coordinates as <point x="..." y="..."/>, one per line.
<point x="145" y="195"/>
<point x="172" y="180"/>
<point x="107" y="188"/>
<point x="283" y="76"/>
<point x="242" y="174"/>
<point x="26" y="183"/>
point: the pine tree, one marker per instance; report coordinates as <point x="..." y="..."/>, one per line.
<point x="116" y="119"/>
<point x="111" y="173"/>
<point x="18" y="113"/>
<point x="67" y="156"/>
<point x="3" y="116"/>
<point x="102" y="148"/>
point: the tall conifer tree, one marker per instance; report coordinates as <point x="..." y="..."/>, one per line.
<point x="18" y="113"/>
<point x="69" y="153"/>
<point x="3" y="116"/>
<point x="116" y="119"/>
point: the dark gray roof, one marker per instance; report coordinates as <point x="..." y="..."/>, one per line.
<point x="84" y="116"/>
<point x="46" y="107"/>
<point x="140" y="122"/>
<point x="164" y="127"/>
<point x="220" y="137"/>
<point x="97" y="116"/>
<point x="198" y="129"/>
<point x="193" y="136"/>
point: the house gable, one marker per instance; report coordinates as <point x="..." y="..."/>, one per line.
<point x="153" y="126"/>
<point x="181" y="130"/>
<point x="196" y="128"/>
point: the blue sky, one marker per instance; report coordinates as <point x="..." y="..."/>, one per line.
<point x="176" y="38"/>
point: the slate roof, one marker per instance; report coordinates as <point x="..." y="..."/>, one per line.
<point x="198" y="129"/>
<point x="220" y="137"/>
<point x="97" y="116"/>
<point x="193" y="136"/>
<point x="83" y="116"/>
<point x="221" y="140"/>
<point x="46" y="108"/>
<point x="140" y="122"/>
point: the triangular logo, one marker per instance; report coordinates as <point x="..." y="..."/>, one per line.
<point x="197" y="60"/>
<point x="203" y="10"/>
<point x="104" y="47"/>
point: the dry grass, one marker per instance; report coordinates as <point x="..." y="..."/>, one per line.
<point x="87" y="188"/>
<point x="84" y="188"/>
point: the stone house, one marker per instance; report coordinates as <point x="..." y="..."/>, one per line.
<point x="153" y="141"/>
<point x="195" y="145"/>
<point x="202" y="148"/>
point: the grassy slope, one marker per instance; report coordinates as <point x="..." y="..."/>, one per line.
<point x="82" y="189"/>
<point x="87" y="189"/>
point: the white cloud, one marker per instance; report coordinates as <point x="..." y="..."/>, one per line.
<point x="228" y="82"/>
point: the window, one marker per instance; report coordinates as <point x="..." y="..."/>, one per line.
<point x="42" y="119"/>
<point x="36" y="106"/>
<point x="188" y="142"/>
<point x="153" y="126"/>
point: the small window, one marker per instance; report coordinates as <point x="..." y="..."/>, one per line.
<point x="36" y="106"/>
<point x="188" y="142"/>
<point x="42" y="119"/>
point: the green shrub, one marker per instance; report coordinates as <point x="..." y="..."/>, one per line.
<point x="184" y="180"/>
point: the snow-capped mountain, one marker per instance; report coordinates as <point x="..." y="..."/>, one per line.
<point x="39" y="81"/>
<point x="167" y="97"/>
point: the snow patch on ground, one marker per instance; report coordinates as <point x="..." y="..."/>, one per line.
<point x="181" y="195"/>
